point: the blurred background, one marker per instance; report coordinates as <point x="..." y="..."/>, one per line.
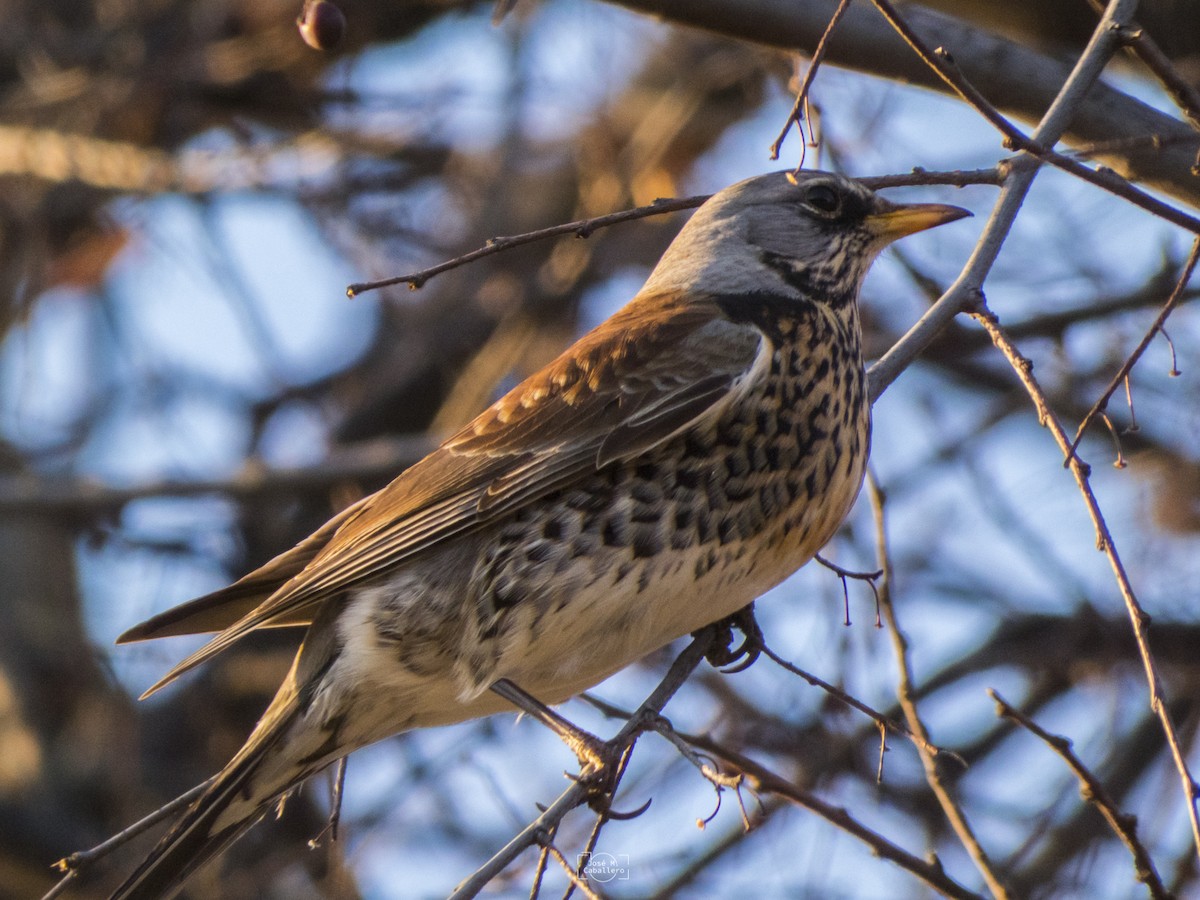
<point x="187" y="188"/>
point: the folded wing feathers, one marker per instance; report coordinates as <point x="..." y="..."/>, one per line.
<point x="515" y="452"/>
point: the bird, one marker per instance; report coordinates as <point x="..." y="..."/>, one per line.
<point x="677" y="461"/>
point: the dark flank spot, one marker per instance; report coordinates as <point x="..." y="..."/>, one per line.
<point x="681" y="538"/>
<point x="736" y="464"/>
<point x="647" y="472"/>
<point x="697" y="443"/>
<point x="758" y="457"/>
<point x="810" y="485"/>
<point x="683" y="518"/>
<point x="646" y="543"/>
<point x="646" y="491"/>
<point x="768" y="504"/>
<point x="646" y="514"/>
<point x="539" y="551"/>
<point x="688" y="478"/>
<point x="644" y="579"/>
<point x="765" y="421"/>
<point x="622" y="570"/>
<point x="774" y="458"/>
<point x="727" y="530"/>
<point x="737" y="489"/>
<point x="792" y="487"/>
<point x="552" y="530"/>
<point x="613" y="533"/>
<point x="822" y="369"/>
<point x="716" y="496"/>
<point x="583" y="545"/>
<point x="728" y="434"/>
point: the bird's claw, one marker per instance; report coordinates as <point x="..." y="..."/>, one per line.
<point x="722" y="653"/>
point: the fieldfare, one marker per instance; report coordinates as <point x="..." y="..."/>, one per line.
<point x="679" y="460"/>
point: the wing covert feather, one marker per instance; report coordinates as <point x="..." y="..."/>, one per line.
<point x="646" y="375"/>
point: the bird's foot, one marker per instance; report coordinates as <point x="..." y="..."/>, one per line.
<point x="594" y="755"/>
<point x="723" y="653"/>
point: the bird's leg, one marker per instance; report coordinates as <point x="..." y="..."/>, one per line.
<point x="589" y="749"/>
<point x="722" y="652"/>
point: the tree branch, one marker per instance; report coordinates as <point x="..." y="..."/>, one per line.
<point x="1017" y="79"/>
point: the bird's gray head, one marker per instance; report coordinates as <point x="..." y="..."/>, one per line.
<point x="804" y="233"/>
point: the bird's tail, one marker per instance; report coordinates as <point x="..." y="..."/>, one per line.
<point x="280" y="754"/>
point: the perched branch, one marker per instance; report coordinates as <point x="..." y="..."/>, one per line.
<point x="577" y="795"/>
<point x="764" y="780"/>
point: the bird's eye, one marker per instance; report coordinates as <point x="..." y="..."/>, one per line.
<point x="823" y="198"/>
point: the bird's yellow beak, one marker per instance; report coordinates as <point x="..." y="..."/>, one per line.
<point x="893" y="220"/>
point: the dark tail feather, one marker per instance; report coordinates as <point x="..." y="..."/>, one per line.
<point x="234" y="802"/>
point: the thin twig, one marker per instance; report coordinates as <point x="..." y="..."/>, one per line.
<point x="854" y="703"/>
<point x="942" y="63"/>
<point x="906" y="696"/>
<point x="1145" y="48"/>
<point x="1124" y="826"/>
<point x="1123" y="373"/>
<point x="967" y="288"/>
<point x="579" y="792"/>
<point x="585" y="227"/>
<point x="75" y="863"/>
<point x="582" y="229"/>
<point x="764" y="780"/>
<point x="797" y="113"/>
<point x="577" y="880"/>
<point x="1104" y="542"/>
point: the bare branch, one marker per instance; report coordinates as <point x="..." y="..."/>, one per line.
<point x="76" y="862"/>
<point x="1104" y="542"/>
<point x="906" y="695"/>
<point x="582" y="229"/>
<point x="764" y="780"/>
<point x="578" y="793"/>
<point x="1160" y="320"/>
<point x="967" y="288"/>
<point x="814" y="64"/>
<point x="1019" y="80"/>
<point x="1124" y="826"/>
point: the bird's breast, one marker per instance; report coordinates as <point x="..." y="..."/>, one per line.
<point x="646" y="550"/>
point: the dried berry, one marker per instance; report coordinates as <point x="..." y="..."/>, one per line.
<point x="321" y="24"/>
